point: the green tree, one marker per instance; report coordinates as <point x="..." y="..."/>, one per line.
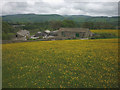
<point x="54" y="25"/>
<point x="68" y="23"/>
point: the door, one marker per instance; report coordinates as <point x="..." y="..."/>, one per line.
<point x="77" y="34"/>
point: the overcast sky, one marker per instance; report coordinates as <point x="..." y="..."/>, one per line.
<point x="62" y="7"/>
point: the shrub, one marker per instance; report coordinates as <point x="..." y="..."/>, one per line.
<point x="40" y="37"/>
<point x="7" y="36"/>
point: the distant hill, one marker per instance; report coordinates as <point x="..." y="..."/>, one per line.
<point x="82" y="18"/>
<point x="31" y="18"/>
<point x="50" y="17"/>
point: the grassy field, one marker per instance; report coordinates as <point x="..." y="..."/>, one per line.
<point x="107" y="31"/>
<point x="61" y="64"/>
<point x="105" y="34"/>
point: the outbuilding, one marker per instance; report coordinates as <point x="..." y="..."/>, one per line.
<point x="22" y="35"/>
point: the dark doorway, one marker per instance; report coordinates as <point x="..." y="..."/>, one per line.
<point x="77" y="34"/>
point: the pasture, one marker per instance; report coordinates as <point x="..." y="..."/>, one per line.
<point x="61" y="64"/>
<point x="103" y="34"/>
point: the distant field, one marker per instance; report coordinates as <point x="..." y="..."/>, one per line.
<point x="61" y="64"/>
<point x="112" y="31"/>
<point x="105" y="34"/>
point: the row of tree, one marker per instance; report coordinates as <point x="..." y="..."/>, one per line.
<point x="55" y="25"/>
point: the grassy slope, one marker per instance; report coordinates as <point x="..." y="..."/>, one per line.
<point x="66" y="63"/>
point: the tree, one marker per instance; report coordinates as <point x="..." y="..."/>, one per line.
<point x="88" y="25"/>
<point x="68" y="23"/>
<point x="54" y="25"/>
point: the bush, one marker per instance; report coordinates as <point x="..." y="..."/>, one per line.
<point x="32" y="39"/>
<point x="7" y="36"/>
<point x="40" y="37"/>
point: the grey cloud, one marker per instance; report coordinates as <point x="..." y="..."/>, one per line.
<point x="98" y="8"/>
<point x="65" y="7"/>
<point x="14" y="8"/>
<point x="119" y="8"/>
<point x="91" y="0"/>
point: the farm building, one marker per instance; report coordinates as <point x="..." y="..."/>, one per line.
<point x="47" y="31"/>
<point x="38" y="34"/>
<point x="22" y="35"/>
<point x="54" y="33"/>
<point x="34" y="37"/>
<point x="74" y="33"/>
<point x="46" y="34"/>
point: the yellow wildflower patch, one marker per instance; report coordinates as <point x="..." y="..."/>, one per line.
<point x="61" y="64"/>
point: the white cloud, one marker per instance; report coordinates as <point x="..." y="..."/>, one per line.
<point x="63" y="7"/>
<point x="92" y="0"/>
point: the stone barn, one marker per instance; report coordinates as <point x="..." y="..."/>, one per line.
<point x="74" y="33"/>
<point x="22" y="35"/>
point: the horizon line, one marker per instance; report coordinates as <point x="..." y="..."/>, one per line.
<point x="64" y="15"/>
